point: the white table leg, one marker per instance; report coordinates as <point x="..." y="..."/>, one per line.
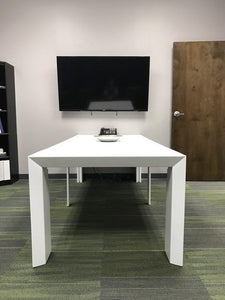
<point x="175" y="204"/>
<point x="68" y="186"/>
<point x="138" y="174"/>
<point x="149" y="186"/>
<point x="79" y="175"/>
<point x="40" y="214"/>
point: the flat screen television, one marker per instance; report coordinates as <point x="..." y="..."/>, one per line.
<point x="103" y="83"/>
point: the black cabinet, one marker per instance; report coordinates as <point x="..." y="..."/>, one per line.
<point x="8" y="132"/>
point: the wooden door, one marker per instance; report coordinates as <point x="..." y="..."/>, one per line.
<point x="199" y="93"/>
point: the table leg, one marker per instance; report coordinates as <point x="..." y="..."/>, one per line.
<point x="79" y="175"/>
<point x="138" y="174"/>
<point x="68" y="186"/>
<point x="175" y="204"/>
<point x="40" y="213"/>
<point x="149" y="186"/>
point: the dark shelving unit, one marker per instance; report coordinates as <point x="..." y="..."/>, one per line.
<point x="8" y="137"/>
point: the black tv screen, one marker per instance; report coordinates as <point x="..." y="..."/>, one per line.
<point x="102" y="83"/>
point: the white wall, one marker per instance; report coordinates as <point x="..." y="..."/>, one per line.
<point x="34" y="32"/>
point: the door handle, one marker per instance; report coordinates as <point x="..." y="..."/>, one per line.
<point x="177" y="114"/>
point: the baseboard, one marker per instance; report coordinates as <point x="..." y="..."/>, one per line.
<point x="51" y="176"/>
<point x="100" y="175"/>
<point x="155" y="175"/>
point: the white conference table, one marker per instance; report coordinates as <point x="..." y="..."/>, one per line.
<point x="88" y="151"/>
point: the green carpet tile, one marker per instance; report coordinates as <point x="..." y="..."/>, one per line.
<point x="108" y="245"/>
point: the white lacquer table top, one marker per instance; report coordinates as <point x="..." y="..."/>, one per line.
<point x="87" y="150"/>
